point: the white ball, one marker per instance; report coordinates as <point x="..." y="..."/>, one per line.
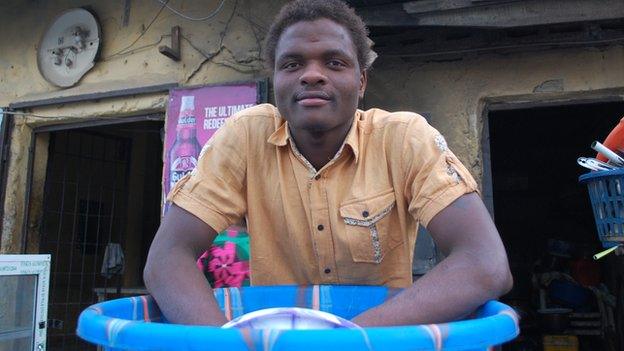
<point x="283" y="318"/>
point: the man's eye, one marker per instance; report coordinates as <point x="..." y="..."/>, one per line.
<point x="290" y="65"/>
<point x="335" y="63"/>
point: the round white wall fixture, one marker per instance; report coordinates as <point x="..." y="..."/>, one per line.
<point x="68" y="47"/>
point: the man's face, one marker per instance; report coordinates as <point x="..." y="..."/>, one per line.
<point x="317" y="78"/>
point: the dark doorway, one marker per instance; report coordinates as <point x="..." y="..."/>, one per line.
<point x="102" y="193"/>
<point x="544" y="215"/>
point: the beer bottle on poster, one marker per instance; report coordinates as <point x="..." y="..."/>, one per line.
<point x="185" y="151"/>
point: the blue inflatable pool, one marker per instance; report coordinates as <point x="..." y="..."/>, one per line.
<point x="136" y="323"/>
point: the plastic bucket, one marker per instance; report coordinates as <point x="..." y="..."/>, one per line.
<point x="606" y="193"/>
<point x="135" y="323"/>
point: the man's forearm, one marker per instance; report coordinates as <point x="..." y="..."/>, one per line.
<point x="181" y="290"/>
<point x="451" y="290"/>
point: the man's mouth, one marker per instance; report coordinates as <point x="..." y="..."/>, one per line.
<point x="312" y="98"/>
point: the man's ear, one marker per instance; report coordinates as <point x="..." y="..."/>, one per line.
<point x="363" y="81"/>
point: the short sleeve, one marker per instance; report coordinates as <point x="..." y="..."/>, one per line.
<point x="435" y="176"/>
<point x="215" y="190"/>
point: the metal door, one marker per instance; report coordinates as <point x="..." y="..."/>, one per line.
<point x="84" y="210"/>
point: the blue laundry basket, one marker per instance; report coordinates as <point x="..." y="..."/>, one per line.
<point x="606" y="192"/>
<point x="136" y="323"/>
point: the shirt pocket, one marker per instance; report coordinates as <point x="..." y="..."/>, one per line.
<point x="366" y="224"/>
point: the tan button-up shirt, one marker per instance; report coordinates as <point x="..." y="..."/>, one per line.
<point x="352" y="222"/>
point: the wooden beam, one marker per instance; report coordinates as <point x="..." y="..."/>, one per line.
<point x="490" y="13"/>
<point x="450" y="43"/>
<point x="424" y="6"/>
<point x="525" y="13"/>
<point x="126" y="15"/>
<point x="390" y="15"/>
<point x="172" y="52"/>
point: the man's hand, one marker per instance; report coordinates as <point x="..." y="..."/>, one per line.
<point x="171" y="275"/>
<point x="474" y="271"/>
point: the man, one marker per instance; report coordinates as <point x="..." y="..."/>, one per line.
<point x="332" y="194"/>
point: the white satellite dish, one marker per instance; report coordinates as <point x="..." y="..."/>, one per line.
<point x="68" y="47"/>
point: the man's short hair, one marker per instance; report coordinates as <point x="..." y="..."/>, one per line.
<point x="310" y="10"/>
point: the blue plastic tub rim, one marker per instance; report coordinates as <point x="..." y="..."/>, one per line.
<point x="495" y="323"/>
<point x="584" y="178"/>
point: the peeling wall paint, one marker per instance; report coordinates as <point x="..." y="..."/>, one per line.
<point x="234" y="35"/>
<point x="224" y="48"/>
<point x="15" y="189"/>
<point x="455" y="93"/>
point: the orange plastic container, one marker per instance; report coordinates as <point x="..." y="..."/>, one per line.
<point x="585" y="271"/>
<point x="614" y="141"/>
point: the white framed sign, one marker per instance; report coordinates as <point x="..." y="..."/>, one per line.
<point x="24" y="284"/>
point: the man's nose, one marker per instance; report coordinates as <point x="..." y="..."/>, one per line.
<point x="313" y="75"/>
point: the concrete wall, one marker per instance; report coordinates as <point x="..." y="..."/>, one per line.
<point x="208" y="53"/>
<point x="455" y="93"/>
<point x="222" y="49"/>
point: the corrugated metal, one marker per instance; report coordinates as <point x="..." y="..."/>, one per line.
<point x="361" y="3"/>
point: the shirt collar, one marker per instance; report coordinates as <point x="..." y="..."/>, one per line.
<point x="281" y="135"/>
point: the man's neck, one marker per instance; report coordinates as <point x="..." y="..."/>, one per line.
<point x="319" y="148"/>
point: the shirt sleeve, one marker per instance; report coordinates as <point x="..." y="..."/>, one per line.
<point x="215" y="190"/>
<point x="435" y="176"/>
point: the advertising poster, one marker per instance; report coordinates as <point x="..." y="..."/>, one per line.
<point x="193" y="116"/>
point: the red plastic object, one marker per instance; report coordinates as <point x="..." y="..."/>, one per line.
<point x="585" y="271"/>
<point x="614" y="141"/>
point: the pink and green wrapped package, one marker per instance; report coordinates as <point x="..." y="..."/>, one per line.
<point x="226" y="263"/>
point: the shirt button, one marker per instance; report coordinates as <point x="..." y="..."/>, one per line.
<point x="320" y="227"/>
<point x="327" y="270"/>
<point x="365" y="214"/>
<point x="318" y="176"/>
